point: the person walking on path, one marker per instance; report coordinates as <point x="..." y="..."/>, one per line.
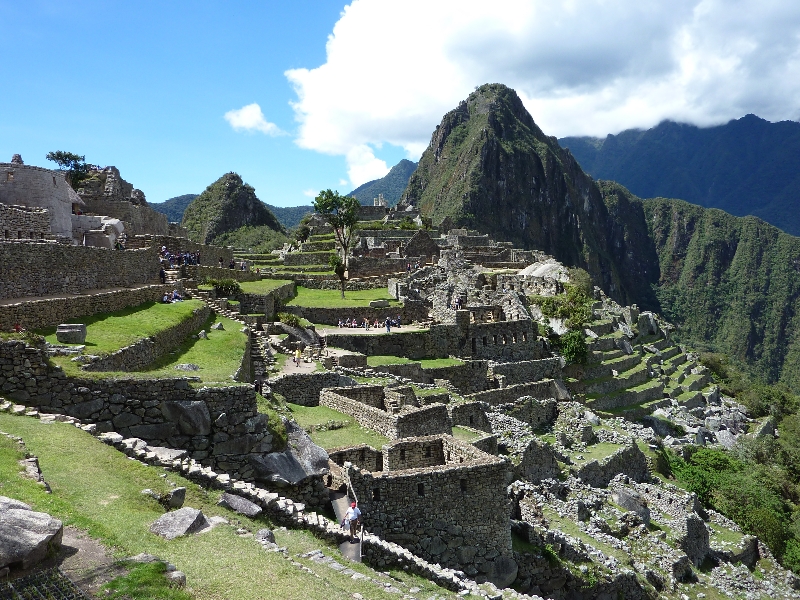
<point x="352" y="519"/>
<point x="388" y="325"/>
<point x="297" y="356"/>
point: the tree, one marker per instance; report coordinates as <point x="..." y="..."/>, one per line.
<point x="75" y="164"/>
<point x="341" y="212"/>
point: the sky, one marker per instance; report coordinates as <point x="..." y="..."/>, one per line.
<point x="313" y="94"/>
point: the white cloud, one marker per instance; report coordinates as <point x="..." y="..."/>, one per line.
<point x="582" y="67"/>
<point x="343" y="182"/>
<point x="310" y="193"/>
<point x="250" y="118"/>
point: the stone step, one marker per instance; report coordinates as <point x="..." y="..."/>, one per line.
<point x="653" y="390"/>
<point x="601" y="328"/>
<point x="630" y="378"/>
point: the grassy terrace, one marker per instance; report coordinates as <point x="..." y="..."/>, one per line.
<point x="427" y="363"/>
<point x="263" y="286"/>
<point x="108" y="332"/>
<point x="321" y="417"/>
<point x="333" y="298"/>
<point x="218" y="357"/>
<point x="98" y="490"/>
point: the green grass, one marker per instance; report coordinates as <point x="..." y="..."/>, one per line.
<point x="98" y="489"/>
<point x="333" y="298"/>
<point x="218" y="357"/>
<point x="263" y="286"/>
<point x="426" y="363"/>
<point x="466" y="435"/>
<point x="108" y="332"/>
<point x="596" y="452"/>
<point x="143" y="582"/>
<point x="350" y="435"/>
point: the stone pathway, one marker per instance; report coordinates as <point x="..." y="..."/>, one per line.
<point x="348" y="549"/>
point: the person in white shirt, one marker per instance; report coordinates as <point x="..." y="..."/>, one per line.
<point x="352" y="518"/>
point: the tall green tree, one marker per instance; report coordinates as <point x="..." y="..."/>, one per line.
<point x="341" y="213"/>
<point x="75" y="165"/>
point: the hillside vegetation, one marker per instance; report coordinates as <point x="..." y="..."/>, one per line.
<point x="748" y="166"/>
<point x="174" y="207"/>
<point x="225" y="206"/>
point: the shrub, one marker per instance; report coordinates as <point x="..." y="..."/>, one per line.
<point x="224" y="288"/>
<point x="289" y="319"/>
<point x="574" y="306"/>
<point x="573" y="346"/>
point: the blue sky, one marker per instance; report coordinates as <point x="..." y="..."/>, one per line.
<point x="344" y="91"/>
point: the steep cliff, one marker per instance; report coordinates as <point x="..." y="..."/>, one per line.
<point x="226" y="205"/>
<point x="489" y="167"/>
<point x="390" y="185"/>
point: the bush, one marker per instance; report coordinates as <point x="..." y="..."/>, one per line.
<point x="573" y="346"/>
<point x="289" y="319"/>
<point x="224" y="288"/>
<point x="581" y="279"/>
<point x="574" y="306"/>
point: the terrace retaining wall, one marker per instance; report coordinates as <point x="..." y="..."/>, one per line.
<point x="304" y="388"/>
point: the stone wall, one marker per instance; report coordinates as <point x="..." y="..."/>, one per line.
<point x="219" y="427"/>
<point x="201" y="272"/>
<point x="530" y="285"/>
<point x="538" y="389"/>
<point x="455" y="513"/>
<point x="538" y="412"/>
<point x="470" y="414"/>
<point x="209" y="255"/>
<point x="138" y="220"/>
<point x="331" y="316"/>
<point x="23" y="222"/>
<point x="410" y="421"/>
<point x="297" y="259"/>
<point x="265" y="304"/>
<point x="528" y="370"/>
<point x="467" y="378"/>
<point x="363" y="266"/>
<point x="47" y="269"/>
<point x="38" y="314"/>
<point x="27" y="185"/>
<point x="629" y="460"/>
<point x="304" y="388"/>
<point x="142" y="353"/>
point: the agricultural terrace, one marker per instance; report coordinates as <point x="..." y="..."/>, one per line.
<point x="333" y="298"/>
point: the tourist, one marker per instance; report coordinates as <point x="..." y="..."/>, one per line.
<point x="388" y="325"/>
<point x="352" y="518"/>
<point x="165" y="299"/>
<point x="176" y="297"/>
<point x="376" y="324"/>
<point x="259" y="387"/>
<point x="162" y="275"/>
<point x="232" y="264"/>
<point x="220" y="262"/>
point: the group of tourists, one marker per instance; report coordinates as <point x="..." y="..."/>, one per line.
<point x="357" y="323"/>
<point x="179" y="258"/>
<point x="409" y="267"/>
<point x="173" y="297"/>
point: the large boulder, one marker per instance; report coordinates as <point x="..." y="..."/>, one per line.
<point x="191" y="416"/>
<point x="631" y="501"/>
<point x="243" y="506"/>
<point x="301" y="459"/>
<point x="183" y="521"/>
<point x="26" y="536"/>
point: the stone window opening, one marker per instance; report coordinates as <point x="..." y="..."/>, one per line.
<point x="7" y="234"/>
<point x="448" y="456"/>
<point x="505" y="340"/>
<point x="402" y="454"/>
<point x="463" y="484"/>
<point x="428" y="452"/>
<point x="494" y="340"/>
<point x="513" y="338"/>
<point x="19" y="235"/>
<point x="376" y="494"/>
<point x="524" y="337"/>
<point x="420" y="489"/>
<point x="329" y="481"/>
<point x="9" y="176"/>
<point x="471" y="419"/>
<point x="474" y="346"/>
<point x="54" y="180"/>
<point x="31" y="236"/>
<point x="484" y="340"/>
<point x="461" y="459"/>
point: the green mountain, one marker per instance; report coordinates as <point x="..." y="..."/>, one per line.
<point x="174" y="207"/>
<point x="728" y="283"/>
<point x="290" y="216"/>
<point x="391" y="185"/>
<point x="748" y="166"/>
<point x="226" y="205"/>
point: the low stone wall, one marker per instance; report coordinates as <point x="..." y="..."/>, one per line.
<point x="538" y="412"/>
<point x="201" y="272"/>
<point x="467" y="378"/>
<point x="331" y="282"/>
<point x="470" y="414"/>
<point x="362" y="266"/>
<point x="144" y="352"/>
<point x="209" y="255"/>
<point x="296" y="259"/>
<point x="528" y="370"/>
<point x="38" y="314"/>
<point x="409" y="422"/>
<point x="512" y="393"/>
<point x="219" y="427"/>
<point x="629" y="460"/>
<point x="304" y="388"/>
<point x="23" y="222"/>
<point x="437" y="342"/>
<point x="331" y="316"/>
<point x="265" y="304"/>
<point x="46" y="269"/>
